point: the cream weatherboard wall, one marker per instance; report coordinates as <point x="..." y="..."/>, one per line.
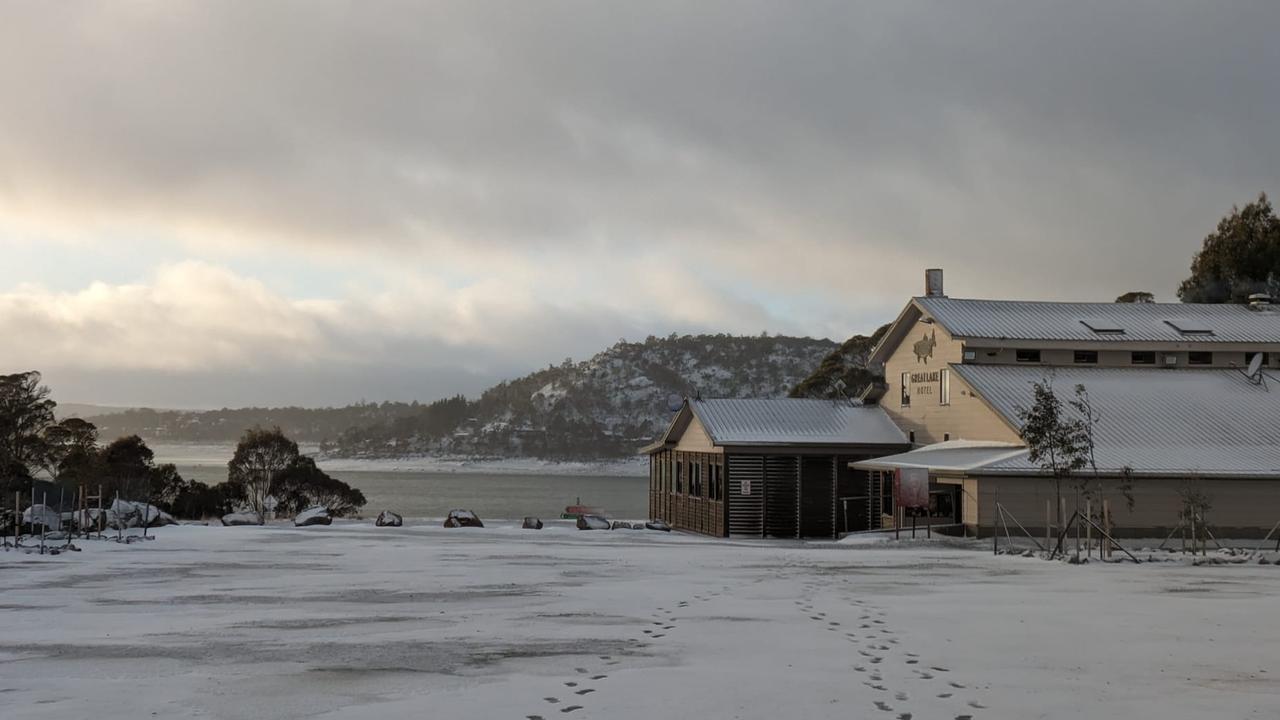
<point x="695" y="439"/>
<point x="921" y="358"/>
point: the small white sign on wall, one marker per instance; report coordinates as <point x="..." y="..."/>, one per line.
<point x="746" y="487"/>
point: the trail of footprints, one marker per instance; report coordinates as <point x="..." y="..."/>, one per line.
<point x="875" y="641"/>
<point x="664" y="620"/>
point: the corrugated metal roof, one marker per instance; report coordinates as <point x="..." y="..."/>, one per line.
<point x="1141" y="322"/>
<point x="1155" y="421"/>
<point x="954" y="455"/>
<point x="795" y="421"/>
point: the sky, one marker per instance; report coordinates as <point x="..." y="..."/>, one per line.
<point x="315" y="202"/>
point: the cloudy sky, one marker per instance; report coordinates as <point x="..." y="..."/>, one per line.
<point x="229" y="203"/>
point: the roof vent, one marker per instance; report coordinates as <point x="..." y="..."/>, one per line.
<point x="1261" y="302"/>
<point x="933" y="283"/>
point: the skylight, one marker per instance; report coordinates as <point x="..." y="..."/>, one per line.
<point x="1102" y="326"/>
<point x="1189" y="327"/>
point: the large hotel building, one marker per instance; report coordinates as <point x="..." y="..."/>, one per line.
<point x="1185" y="396"/>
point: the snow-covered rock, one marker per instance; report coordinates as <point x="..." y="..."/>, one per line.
<point x="241" y="518"/>
<point x="462" y="518"/>
<point x="123" y="514"/>
<point x="318" y="515"/>
<point x="593" y="522"/>
<point x="42" y="515"/>
<point x="531" y="523"/>
<point x="657" y="525"/>
<point x="386" y="518"/>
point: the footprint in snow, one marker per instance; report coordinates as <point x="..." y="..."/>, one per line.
<point x="881" y="705"/>
<point x="900" y="697"/>
<point x="944" y="695"/>
<point x="551" y="700"/>
<point x="912" y="662"/>
<point x="926" y="676"/>
<point x="976" y="705"/>
<point x="859" y="668"/>
<point x="571" y="684"/>
<point x="964" y="717"/>
<point x="533" y="717"/>
<point x="876" y="660"/>
<point x="905" y="716"/>
<point x="956" y="685"/>
<point x="570" y="709"/>
<point x="581" y="671"/>
<point x="585" y="691"/>
<point x="599" y="677"/>
<point x="874" y="686"/>
<point x="935" y="668"/>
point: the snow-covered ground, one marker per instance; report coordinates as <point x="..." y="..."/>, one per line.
<point x="353" y="621"/>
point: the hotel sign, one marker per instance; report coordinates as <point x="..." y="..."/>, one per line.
<point x="926" y="385"/>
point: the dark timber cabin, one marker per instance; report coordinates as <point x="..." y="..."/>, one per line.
<point x="771" y="467"/>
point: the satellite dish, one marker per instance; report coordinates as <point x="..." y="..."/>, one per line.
<point x="1255" y="365"/>
<point x="674" y="402"/>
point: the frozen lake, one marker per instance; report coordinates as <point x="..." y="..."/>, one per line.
<point x="352" y="621"/>
<point x="415" y="491"/>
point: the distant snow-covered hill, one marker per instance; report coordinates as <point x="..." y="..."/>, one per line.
<point x="602" y="407"/>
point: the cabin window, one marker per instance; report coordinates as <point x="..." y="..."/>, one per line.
<point x="1027" y="356"/>
<point x="1248" y="358"/>
<point x="906" y="390"/>
<point x="1199" y="358"/>
<point x="1086" y="357"/>
<point x="1143" y="357"/>
<point x="714" y="485"/>
<point x="679" y="476"/>
<point x="944" y="387"/>
<point x="695" y="479"/>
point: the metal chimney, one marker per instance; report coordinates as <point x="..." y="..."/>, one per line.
<point x="1260" y="302"/>
<point x="933" y="283"/>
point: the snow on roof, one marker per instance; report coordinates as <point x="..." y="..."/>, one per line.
<point x="953" y="455"/>
<point x="795" y="421"/>
<point x="1116" y="322"/>
<point x="1154" y="421"/>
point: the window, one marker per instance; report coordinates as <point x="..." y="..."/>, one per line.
<point x="679" y="477"/>
<point x="717" y="477"/>
<point x="1199" y="358"/>
<point x="906" y="389"/>
<point x="911" y="436"/>
<point x="1143" y="357"/>
<point x="1027" y="356"/>
<point x="944" y="387"/>
<point x="1266" y="359"/>
<point x="695" y="479"/>
<point x="1102" y="326"/>
<point x="1087" y="357"/>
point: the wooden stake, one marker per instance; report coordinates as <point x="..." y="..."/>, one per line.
<point x="1088" y="531"/>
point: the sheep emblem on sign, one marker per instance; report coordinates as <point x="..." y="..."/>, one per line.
<point x="924" y="347"/>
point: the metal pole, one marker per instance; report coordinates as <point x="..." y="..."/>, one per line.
<point x="44" y="526"/>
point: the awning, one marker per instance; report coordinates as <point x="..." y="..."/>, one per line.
<point x="950" y="456"/>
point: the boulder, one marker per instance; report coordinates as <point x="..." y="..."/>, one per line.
<point x="462" y="518"/>
<point x="123" y="514"/>
<point x="386" y="518"/>
<point x="592" y="522"/>
<point x="317" y="515"/>
<point x="531" y="523"/>
<point x="241" y="518"/>
<point x="657" y="525"/>
<point x="42" y="515"/>
<point x="621" y="525"/>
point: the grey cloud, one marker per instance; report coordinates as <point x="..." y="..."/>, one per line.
<point x="820" y="150"/>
